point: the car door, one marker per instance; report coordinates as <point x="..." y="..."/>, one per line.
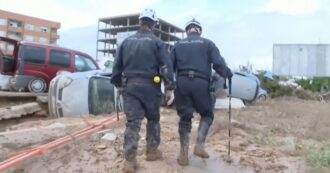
<point x="8" y="57"/>
<point x="32" y="61"/>
<point x="59" y="60"/>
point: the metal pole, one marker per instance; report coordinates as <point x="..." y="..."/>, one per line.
<point x="117" y="104"/>
<point x="229" y="125"/>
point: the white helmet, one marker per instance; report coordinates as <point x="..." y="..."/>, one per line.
<point x="149" y="13"/>
<point x="193" y="22"/>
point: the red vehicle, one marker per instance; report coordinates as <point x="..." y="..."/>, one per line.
<point x="33" y="65"/>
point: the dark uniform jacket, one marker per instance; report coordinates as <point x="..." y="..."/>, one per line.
<point x="198" y="54"/>
<point x="141" y="56"/>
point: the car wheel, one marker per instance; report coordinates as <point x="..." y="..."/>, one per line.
<point x="37" y="85"/>
<point x="262" y="98"/>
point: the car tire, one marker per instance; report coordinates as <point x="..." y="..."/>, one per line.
<point x="37" y="85"/>
<point x="262" y="98"/>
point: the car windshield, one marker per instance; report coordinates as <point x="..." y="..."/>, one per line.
<point x="82" y="63"/>
<point x="101" y="95"/>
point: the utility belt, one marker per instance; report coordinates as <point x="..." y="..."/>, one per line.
<point x="191" y="74"/>
<point x="141" y="80"/>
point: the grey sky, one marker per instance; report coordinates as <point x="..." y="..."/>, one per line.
<point x="244" y="30"/>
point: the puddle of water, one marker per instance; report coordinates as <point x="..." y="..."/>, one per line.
<point x="215" y="164"/>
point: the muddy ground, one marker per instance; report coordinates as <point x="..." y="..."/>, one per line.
<point x="272" y="136"/>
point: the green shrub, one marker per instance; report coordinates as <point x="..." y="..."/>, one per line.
<point x="319" y="157"/>
<point x="316" y="84"/>
<point x="269" y="140"/>
<point x="272" y="86"/>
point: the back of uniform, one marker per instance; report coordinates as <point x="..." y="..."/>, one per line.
<point x="140" y="56"/>
<point x="193" y="59"/>
<point x="196" y="53"/>
<point x="139" y="59"/>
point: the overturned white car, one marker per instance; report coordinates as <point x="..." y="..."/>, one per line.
<point x="85" y="93"/>
<point x="82" y="93"/>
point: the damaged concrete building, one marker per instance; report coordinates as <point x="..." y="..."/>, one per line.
<point x="112" y="30"/>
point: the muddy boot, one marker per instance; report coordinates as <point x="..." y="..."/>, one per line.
<point x="200" y="152"/>
<point x="154" y="155"/>
<point x="203" y="129"/>
<point x="153" y="141"/>
<point x="131" y="138"/>
<point x="184" y="143"/>
<point x="130" y="166"/>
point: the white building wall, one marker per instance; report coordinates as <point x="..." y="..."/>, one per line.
<point x="301" y="59"/>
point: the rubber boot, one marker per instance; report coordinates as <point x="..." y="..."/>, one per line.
<point x="130" y="166"/>
<point x="184" y="143"/>
<point x="202" y="133"/>
<point x="131" y="138"/>
<point x="154" y="155"/>
<point x="153" y="141"/>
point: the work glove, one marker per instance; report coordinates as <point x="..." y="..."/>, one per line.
<point x="169" y="85"/>
<point x="169" y="97"/>
<point x="120" y="90"/>
<point x="213" y="97"/>
<point x="225" y="85"/>
<point x="229" y="74"/>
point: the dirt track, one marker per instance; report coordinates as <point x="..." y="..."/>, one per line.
<point x="273" y="136"/>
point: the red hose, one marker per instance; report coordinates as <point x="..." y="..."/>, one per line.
<point x="90" y="125"/>
<point x="25" y="155"/>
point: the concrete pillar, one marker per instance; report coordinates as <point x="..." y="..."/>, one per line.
<point x="97" y="39"/>
<point x="128" y="23"/>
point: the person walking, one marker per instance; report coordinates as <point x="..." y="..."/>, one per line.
<point x="193" y="59"/>
<point x="142" y="60"/>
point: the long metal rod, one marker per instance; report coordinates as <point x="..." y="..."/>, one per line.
<point x="117" y="105"/>
<point x="229" y="123"/>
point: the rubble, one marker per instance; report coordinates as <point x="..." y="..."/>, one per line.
<point x="223" y="103"/>
<point x="19" y="110"/>
<point x="20" y="94"/>
<point x="109" y="137"/>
